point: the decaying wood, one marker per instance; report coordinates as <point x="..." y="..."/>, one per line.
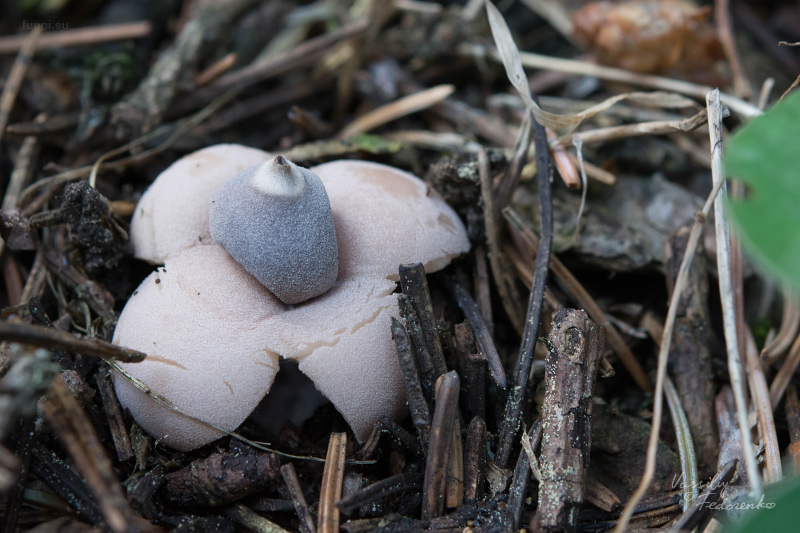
<point x="415" y="285"/>
<point x="444" y="417"/>
<point x="380" y="489"/>
<point x="222" y="477"/>
<point x="474" y="460"/>
<point x="472" y="364"/>
<point x="690" y="355"/>
<point x="417" y="406"/>
<point x="114" y="415"/>
<point x="299" y="500"/>
<point x="91" y="460"/>
<point x="483" y="336"/>
<point x="576" y="345"/>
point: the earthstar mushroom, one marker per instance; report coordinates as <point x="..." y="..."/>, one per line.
<point x="341" y="339"/>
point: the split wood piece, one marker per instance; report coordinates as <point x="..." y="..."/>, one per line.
<point x="296" y="492"/>
<point x="704" y="503"/>
<point x="474" y="461"/>
<point x="444" y="417"/>
<point x="690" y="355"/>
<point x="415" y="285"/>
<point x="222" y="477"/>
<point x="522" y="369"/>
<point x="428" y="373"/>
<point x="79" y="437"/>
<point x="379" y="490"/>
<point x="454" y="485"/>
<point x="576" y="345"/>
<point x="417" y="406"/>
<point x="582" y="296"/>
<point x="522" y="473"/>
<point x="249" y="520"/>
<point x="482" y="335"/>
<point x="54" y="339"/>
<point x="64" y="482"/>
<point x="119" y="432"/>
<point x="332" y="479"/>
<point x="792" y="405"/>
<point x="472" y="364"/>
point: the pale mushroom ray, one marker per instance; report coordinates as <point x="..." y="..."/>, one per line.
<point x="213" y="334"/>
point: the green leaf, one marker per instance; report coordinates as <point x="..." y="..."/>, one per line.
<point x="765" y="154"/>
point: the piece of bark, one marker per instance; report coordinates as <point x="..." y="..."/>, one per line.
<point x="417" y="405"/>
<point x="474" y="461"/>
<point x="222" y="478"/>
<point x="472" y="364"/>
<point x="576" y="345"/>
<point x="119" y="432"/>
<point x="441" y="439"/>
<point x="689" y="355"/>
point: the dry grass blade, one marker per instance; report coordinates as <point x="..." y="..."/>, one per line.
<point x="394" y="110"/>
<point x="81" y="36"/>
<point x="583" y="68"/>
<point x="660" y="127"/>
<point x="332" y="478"/>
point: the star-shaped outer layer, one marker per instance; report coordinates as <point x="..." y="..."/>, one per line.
<point x="213" y="334"/>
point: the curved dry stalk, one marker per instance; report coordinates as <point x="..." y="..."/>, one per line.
<point x="790" y="322"/>
<point x="683" y="435"/>
<point x="766" y="423"/>
<point x="784" y="375"/>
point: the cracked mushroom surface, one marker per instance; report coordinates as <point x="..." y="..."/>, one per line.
<point x="211" y="321"/>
